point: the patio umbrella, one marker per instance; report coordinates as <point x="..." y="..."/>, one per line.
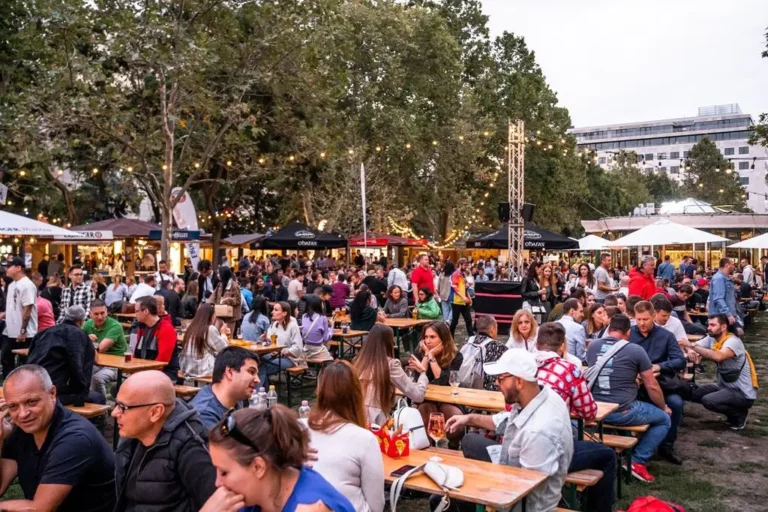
<point x="756" y="242"/>
<point x="592" y="243"/>
<point x="299" y="236"/>
<point x="665" y="232"/>
<point x="533" y="238"/>
<point x="18" y="225"/>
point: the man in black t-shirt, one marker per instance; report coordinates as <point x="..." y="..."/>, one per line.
<point x="73" y="470"/>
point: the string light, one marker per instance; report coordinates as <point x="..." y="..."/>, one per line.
<point x="408" y="146"/>
<point x="261" y="161"/>
<point x="165" y="168"/>
<point x="60" y="172"/>
<point x="22" y="173"/>
<point x="197" y="165"/>
<point x="378" y="148"/>
<point x="322" y="155"/>
<point x="130" y="169"/>
<point x="351" y="152"/>
<point x="95" y="171"/>
<point x="229" y="162"/>
<point x="291" y="158"/>
<point x="434" y="143"/>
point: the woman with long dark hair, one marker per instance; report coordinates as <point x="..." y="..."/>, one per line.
<point x="256" y="322"/>
<point x="381" y="373"/>
<point x="396" y="305"/>
<point x="189" y="302"/>
<point x="427" y="307"/>
<point x="260" y="459"/>
<point x="347" y="452"/>
<point x="361" y="313"/>
<point x="532" y="293"/>
<point x="437" y="356"/>
<point x="202" y="342"/>
<point x="228" y="294"/>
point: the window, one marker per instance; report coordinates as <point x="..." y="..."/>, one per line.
<point x="662" y="169"/>
<point x="661" y="156"/>
<point x="675" y="169"/>
<point x="743" y="166"/>
<point x="601" y="160"/>
<point x="728" y="151"/>
<point x="744" y="180"/>
<point x="648" y="170"/>
<point x="674" y="155"/>
<point x="686" y="154"/>
<point x="744" y="150"/>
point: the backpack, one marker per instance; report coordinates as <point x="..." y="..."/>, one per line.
<point x="471" y="370"/>
<point x="652" y="504"/>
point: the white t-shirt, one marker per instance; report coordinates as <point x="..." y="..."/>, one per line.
<point x="142" y="290"/>
<point x="293" y="289"/>
<point x="675" y="326"/>
<point x="21" y="293"/>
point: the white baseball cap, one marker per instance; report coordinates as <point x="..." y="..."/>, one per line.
<point x="515" y="361"/>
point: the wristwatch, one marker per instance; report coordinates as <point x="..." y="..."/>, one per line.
<point x="23" y="331"/>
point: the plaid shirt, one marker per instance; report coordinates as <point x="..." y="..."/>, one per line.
<point x="80" y="296"/>
<point x="567" y="380"/>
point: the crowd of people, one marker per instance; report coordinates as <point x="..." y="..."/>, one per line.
<point x="582" y="336"/>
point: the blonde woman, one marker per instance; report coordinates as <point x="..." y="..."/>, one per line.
<point x="548" y="282"/>
<point x="524" y="331"/>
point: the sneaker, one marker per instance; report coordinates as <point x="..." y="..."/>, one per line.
<point x="640" y="472"/>
<point x="740" y="423"/>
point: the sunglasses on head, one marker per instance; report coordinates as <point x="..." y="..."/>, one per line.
<point x="228" y="428"/>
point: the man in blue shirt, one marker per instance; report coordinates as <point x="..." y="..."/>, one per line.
<point x="667" y="270"/>
<point x="235" y="377"/>
<point x="722" y="297"/>
<point x="667" y="359"/>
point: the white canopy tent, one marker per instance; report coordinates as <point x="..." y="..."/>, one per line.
<point x="756" y="242"/>
<point x="592" y="243"/>
<point x="665" y="232"/>
<point x="17" y="225"/>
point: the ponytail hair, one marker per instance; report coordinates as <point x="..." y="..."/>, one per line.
<point x="276" y="432"/>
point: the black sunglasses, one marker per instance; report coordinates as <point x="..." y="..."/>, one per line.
<point x="228" y="428"/>
<point x="125" y="407"/>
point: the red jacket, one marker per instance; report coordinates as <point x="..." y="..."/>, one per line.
<point x="641" y="285"/>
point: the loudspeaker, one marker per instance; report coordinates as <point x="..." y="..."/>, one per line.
<point x="527" y="212"/>
<point x="499" y="299"/>
<point x="503" y="212"/>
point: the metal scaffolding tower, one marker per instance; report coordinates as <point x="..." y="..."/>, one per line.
<point x="516" y="190"/>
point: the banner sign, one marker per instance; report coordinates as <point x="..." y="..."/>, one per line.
<point x="186" y="218"/>
<point x="177" y="235"/>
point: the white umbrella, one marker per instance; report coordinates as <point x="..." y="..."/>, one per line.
<point x="756" y="242"/>
<point x="592" y="243"/>
<point x="665" y="232"/>
<point x="17" y="225"/>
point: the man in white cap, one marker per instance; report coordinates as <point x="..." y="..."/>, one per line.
<point x="537" y="431"/>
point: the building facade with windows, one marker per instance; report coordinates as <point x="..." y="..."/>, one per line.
<point x="663" y="146"/>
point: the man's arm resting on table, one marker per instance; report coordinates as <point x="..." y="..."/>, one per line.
<point x="105" y="345"/>
<point x="653" y="389"/>
<point x="48" y="497"/>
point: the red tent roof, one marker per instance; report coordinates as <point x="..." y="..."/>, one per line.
<point x="382" y="240"/>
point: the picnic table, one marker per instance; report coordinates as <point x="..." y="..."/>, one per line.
<point x="695" y="337"/>
<point x="493" y="485"/>
<point x="125" y="315"/>
<point x="340" y="335"/>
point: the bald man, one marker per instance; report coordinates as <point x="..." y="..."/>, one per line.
<point x="162" y="461"/>
<point x="62" y="462"/>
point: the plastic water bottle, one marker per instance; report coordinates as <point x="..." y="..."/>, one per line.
<point x="271" y="396"/>
<point x="304" y="410"/>
<point x="259" y="400"/>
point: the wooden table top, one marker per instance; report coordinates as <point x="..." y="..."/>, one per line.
<point x="118" y="362"/>
<point x="124" y="315"/>
<point x="494" y="485"/>
<point x="490" y="400"/>
<point x="702" y="314"/>
<point x="404" y="323"/>
<point x="24" y="352"/>
<point x="337" y="333"/>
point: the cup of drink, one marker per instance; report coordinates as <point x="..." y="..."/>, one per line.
<point x="273" y="339"/>
<point x="415" y="313"/>
<point x="128" y="356"/>
<point x="345" y="328"/>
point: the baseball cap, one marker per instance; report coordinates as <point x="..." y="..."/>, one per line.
<point x="17" y="262"/>
<point x="702" y="282"/>
<point x="515" y="361"/>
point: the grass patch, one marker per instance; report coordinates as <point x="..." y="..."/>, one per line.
<point x="676" y="486"/>
<point x="747" y="467"/>
<point x="711" y="443"/>
<point x="753" y="432"/>
<point x="14" y="492"/>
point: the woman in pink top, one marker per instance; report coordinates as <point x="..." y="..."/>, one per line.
<point x="44" y="314"/>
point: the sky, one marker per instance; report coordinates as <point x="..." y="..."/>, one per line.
<point x="616" y="61"/>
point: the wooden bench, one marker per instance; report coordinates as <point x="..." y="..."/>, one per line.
<point x="623" y="445"/>
<point x="632" y="430"/>
<point x="294" y="375"/>
<point x="89" y="410"/>
<point x="578" y="482"/>
<point x="560" y="509"/>
<point x="185" y="391"/>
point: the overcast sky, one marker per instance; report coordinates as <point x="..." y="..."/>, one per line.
<point x="613" y="61"/>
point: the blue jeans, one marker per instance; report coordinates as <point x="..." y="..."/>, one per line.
<point x="447" y="311"/>
<point x="675" y="403"/>
<point x="270" y="365"/>
<point x="641" y="413"/>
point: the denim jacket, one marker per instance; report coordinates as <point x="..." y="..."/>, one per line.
<point x="722" y="296"/>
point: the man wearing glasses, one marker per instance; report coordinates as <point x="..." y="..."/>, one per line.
<point x="62" y="462"/>
<point x="76" y="294"/>
<point x="162" y="461"/>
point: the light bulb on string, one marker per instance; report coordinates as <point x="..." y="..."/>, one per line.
<point x="197" y="165"/>
<point x="378" y="149"/>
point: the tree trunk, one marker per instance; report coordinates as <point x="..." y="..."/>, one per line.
<point x="66" y="194"/>
<point x="218" y="227"/>
<point x="309" y="214"/>
<point x="167" y="110"/>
